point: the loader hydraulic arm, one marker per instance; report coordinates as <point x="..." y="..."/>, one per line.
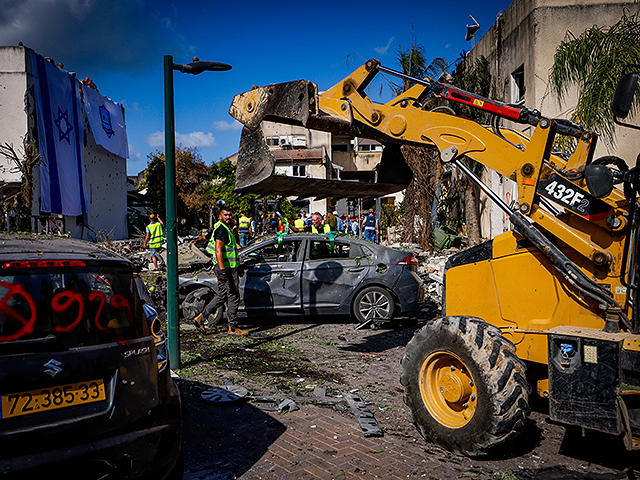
<point x="520" y="114"/>
<point x="529" y="161"/>
<point x="346" y="109"/>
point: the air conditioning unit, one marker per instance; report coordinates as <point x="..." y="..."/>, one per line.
<point x="285" y="141"/>
<point x="299" y="141"/>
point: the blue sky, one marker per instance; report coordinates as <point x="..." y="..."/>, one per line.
<point x="120" y="44"/>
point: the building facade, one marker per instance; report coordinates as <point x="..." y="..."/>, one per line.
<point x="520" y="48"/>
<point x="300" y="152"/>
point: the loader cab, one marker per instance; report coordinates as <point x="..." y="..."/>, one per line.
<point x="626" y="90"/>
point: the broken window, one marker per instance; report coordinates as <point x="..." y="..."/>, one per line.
<point x="284" y="252"/>
<point x="321" y="249"/>
<point x="517" y="85"/>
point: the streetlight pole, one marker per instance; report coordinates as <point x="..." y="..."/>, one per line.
<point x="196" y="67"/>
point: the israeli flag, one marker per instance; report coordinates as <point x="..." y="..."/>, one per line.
<point x="60" y="139"/>
<point x="106" y="120"/>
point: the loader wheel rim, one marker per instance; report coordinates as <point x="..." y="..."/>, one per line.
<point x="448" y="390"/>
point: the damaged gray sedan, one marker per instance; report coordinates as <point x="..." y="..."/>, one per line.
<point x="315" y="274"/>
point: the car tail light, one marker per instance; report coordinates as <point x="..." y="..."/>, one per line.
<point x="410" y="260"/>
<point x="44" y="264"/>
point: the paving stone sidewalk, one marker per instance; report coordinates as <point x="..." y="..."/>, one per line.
<point x="241" y="441"/>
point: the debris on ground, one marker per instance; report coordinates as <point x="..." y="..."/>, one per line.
<point x="225" y="394"/>
<point x="190" y="257"/>
<point x="289" y="405"/>
<point x="350" y="401"/>
<point x="431" y="266"/>
<point x="431" y="269"/>
<point x="365" y="418"/>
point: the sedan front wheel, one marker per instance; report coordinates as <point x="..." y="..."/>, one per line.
<point x="373" y="304"/>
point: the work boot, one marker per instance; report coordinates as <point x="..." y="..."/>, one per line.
<point x="197" y="322"/>
<point x="237" y="331"/>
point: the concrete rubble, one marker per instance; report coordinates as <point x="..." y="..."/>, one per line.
<point x="430" y="267"/>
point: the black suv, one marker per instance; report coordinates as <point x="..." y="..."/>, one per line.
<point x="85" y="387"/>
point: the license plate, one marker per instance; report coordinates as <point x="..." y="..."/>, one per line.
<point x="45" y="399"/>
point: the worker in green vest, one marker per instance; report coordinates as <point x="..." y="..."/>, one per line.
<point x="244" y="229"/>
<point x="224" y="250"/>
<point x="299" y="222"/>
<point x="154" y="238"/>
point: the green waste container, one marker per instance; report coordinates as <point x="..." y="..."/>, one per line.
<point x="445" y="237"/>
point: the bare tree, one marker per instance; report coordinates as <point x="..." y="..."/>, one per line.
<point x="25" y="162"/>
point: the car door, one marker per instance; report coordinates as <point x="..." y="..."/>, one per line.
<point x="272" y="279"/>
<point x="330" y="274"/>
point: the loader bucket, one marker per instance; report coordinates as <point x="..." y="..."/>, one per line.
<point x="290" y="102"/>
<point x="295" y="103"/>
<point x="256" y="164"/>
<point x="255" y="161"/>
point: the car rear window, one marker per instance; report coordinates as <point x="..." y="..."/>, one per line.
<point x="69" y="306"/>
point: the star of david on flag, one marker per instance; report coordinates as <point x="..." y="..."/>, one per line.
<point x="63" y="131"/>
<point x="60" y="139"/>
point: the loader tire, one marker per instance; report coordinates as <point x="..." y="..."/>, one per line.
<point x="465" y="386"/>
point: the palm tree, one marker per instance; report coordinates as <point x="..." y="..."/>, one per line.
<point x="592" y="62"/>
<point x="425" y="162"/>
<point x="413" y="62"/>
<point x="473" y="75"/>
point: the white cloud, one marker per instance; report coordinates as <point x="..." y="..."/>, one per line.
<point x="193" y="139"/>
<point x="383" y="50"/>
<point x="156" y="140"/>
<point x="223" y="126"/>
<point x="448" y="45"/>
<point x="134" y="153"/>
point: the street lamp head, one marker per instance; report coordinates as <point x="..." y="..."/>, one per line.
<point x="471" y="30"/>
<point x="196" y="67"/>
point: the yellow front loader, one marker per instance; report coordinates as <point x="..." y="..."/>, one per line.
<point x="550" y="308"/>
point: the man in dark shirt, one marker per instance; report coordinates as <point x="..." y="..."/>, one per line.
<point x="332" y="221"/>
<point x="224" y="250"/>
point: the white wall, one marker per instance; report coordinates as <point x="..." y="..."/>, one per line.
<point x="106" y="178"/>
<point x="13" y="120"/>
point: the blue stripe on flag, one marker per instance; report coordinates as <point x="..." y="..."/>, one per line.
<point x="56" y="197"/>
<point x="79" y="160"/>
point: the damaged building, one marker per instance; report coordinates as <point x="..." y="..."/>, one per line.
<point x="520" y="48"/>
<point x="78" y="184"/>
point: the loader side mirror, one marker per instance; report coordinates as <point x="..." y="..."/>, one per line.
<point x="599" y="180"/>
<point x="624" y="93"/>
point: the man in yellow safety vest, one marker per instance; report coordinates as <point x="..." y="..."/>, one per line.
<point x="154" y="238"/>
<point x="224" y="250"/>
<point x="244" y="229"/>
<point x="315" y="227"/>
